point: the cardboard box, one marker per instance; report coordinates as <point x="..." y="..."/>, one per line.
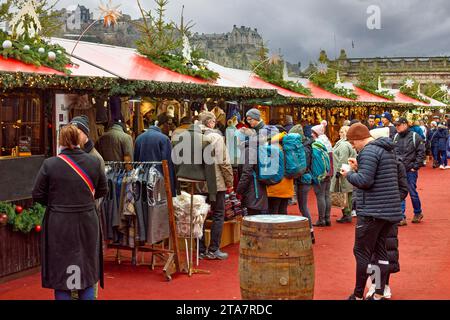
<point x="231" y="232"/>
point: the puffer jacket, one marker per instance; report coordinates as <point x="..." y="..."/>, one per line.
<point x="412" y="155"/>
<point x="392" y="236"/>
<point x="377" y="180"/>
<point x="442" y="136"/>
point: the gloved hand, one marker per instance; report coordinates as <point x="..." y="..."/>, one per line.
<point x="338" y="175"/>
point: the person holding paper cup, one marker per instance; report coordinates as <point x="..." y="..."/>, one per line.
<point x="375" y="175"/>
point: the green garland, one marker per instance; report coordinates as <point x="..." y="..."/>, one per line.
<point x="325" y="103"/>
<point x="327" y="82"/>
<point x="177" y="64"/>
<point x="32" y="55"/>
<point x="25" y="221"/>
<point x="414" y="95"/>
<point x="289" y="85"/>
<point x="384" y="93"/>
<point x="412" y="92"/>
<point x="114" y="86"/>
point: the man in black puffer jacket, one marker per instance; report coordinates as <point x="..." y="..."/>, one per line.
<point x="392" y="238"/>
<point x="410" y="149"/>
<point x="375" y="174"/>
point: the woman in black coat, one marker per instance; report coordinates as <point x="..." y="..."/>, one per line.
<point x="253" y="193"/>
<point x="71" y="253"/>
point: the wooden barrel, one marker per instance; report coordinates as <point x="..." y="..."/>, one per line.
<point x="276" y="259"/>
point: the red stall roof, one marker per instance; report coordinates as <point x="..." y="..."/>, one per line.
<point x="402" y="98"/>
<point x="79" y="68"/>
<point x="122" y="62"/>
<point x="319" y="93"/>
<point x="365" y="96"/>
<point x="13" y="65"/>
<point x="230" y="77"/>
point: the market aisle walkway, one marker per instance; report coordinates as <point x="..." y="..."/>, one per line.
<point x="424" y="261"/>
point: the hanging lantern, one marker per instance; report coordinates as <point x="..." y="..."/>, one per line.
<point x="7" y="44"/>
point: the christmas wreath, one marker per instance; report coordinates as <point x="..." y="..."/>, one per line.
<point x="20" y="219"/>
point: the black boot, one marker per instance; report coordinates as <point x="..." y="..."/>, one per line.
<point x="344" y="219"/>
<point x="319" y="223"/>
<point x="313" y="239"/>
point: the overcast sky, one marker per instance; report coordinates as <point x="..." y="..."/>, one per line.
<point x="301" y="28"/>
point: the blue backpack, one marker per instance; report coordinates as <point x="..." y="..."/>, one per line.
<point x="270" y="164"/>
<point x="294" y="155"/>
<point x="320" y="159"/>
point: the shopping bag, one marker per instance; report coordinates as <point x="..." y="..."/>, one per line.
<point x="339" y="199"/>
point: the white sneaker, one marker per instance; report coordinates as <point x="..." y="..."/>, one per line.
<point x="441" y="167"/>
<point x="447" y="167"/>
<point x="353" y="213"/>
<point x="387" y="291"/>
<point x="371" y="291"/>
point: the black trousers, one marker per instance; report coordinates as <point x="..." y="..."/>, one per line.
<point x="218" y="209"/>
<point x="370" y="238"/>
<point x="278" y="205"/>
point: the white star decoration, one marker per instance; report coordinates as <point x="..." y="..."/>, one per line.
<point x="322" y="68"/>
<point x="109" y="13"/>
<point x="409" y="83"/>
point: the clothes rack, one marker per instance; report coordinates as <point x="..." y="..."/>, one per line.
<point x="173" y="262"/>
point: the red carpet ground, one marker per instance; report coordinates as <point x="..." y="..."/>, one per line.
<point x="424" y="261"/>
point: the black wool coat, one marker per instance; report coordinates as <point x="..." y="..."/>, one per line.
<point x="70" y="238"/>
<point x="254" y="194"/>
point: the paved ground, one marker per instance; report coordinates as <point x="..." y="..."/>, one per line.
<point x="424" y="260"/>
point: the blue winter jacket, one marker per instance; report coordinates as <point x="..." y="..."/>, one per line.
<point x="377" y="181"/>
<point x="153" y="145"/>
<point x="442" y="137"/>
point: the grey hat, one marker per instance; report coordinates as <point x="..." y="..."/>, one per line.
<point x="254" y="114"/>
<point x="82" y="123"/>
<point x="205" y="117"/>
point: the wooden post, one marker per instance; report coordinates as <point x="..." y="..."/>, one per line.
<point x="172" y="226"/>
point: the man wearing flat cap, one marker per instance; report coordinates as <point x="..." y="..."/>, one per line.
<point x="410" y="149"/>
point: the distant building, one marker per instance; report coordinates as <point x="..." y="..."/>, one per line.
<point x="235" y="49"/>
<point x="395" y="69"/>
<point x="76" y="16"/>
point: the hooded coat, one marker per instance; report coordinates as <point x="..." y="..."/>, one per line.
<point x="342" y="151"/>
<point x="377" y="180"/>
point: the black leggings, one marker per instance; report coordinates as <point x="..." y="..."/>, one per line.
<point x="278" y="205"/>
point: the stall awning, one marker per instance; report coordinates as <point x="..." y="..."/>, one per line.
<point x="123" y="62"/>
<point x="230" y="77"/>
<point x="365" y="96"/>
<point x="13" y="65"/>
<point x="402" y="98"/>
<point x="78" y="69"/>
